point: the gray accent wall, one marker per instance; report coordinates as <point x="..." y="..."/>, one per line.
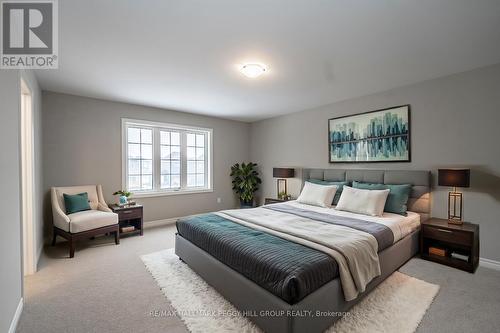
<point x="455" y="122"/>
<point x="82" y="145"/>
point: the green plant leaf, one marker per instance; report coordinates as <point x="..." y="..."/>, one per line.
<point x="245" y="180"/>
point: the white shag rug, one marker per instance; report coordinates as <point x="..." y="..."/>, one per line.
<point x="396" y="305"/>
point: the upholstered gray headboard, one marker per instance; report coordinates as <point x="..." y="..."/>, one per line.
<point x="419" y="202"/>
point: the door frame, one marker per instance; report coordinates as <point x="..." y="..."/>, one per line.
<point x="28" y="207"/>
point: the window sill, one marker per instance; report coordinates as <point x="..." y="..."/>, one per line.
<point x="169" y="193"/>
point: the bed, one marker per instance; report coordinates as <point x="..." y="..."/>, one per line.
<point x="288" y="285"/>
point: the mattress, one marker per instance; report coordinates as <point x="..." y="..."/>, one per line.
<point x="289" y="270"/>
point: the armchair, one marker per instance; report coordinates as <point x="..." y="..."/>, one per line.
<point x="85" y="224"/>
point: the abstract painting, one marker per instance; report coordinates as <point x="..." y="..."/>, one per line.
<point x="374" y="136"/>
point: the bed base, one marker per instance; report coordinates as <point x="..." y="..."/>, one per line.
<point x="270" y="312"/>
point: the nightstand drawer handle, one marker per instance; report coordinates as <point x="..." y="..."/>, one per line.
<point x="127" y="211"/>
<point x="444" y="230"/>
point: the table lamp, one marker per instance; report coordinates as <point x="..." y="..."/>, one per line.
<point x="282" y="174"/>
<point x="454" y="178"/>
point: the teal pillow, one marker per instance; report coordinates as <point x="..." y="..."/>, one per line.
<point x="396" y="200"/>
<point x="76" y="203"/>
<point x="340" y="186"/>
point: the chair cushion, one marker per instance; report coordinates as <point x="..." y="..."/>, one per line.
<point x="76" y="202"/>
<point x="91" y="219"/>
<point x="90" y="189"/>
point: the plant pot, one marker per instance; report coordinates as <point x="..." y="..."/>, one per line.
<point x="123" y="199"/>
<point x="246" y="204"/>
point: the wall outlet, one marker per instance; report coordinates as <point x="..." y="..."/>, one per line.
<point x="219" y="200"/>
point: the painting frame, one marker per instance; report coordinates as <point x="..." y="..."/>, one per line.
<point x="375" y="160"/>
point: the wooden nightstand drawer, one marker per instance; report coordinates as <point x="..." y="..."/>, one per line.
<point x="460" y="243"/>
<point x="129" y="213"/>
<point x="446" y="235"/>
<point x="129" y="218"/>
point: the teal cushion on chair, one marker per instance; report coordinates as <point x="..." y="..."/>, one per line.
<point x="396" y="200"/>
<point x="340" y="186"/>
<point x="76" y="203"/>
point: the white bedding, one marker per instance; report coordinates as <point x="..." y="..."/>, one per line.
<point x="399" y="224"/>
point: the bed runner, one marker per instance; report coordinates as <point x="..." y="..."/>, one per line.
<point x="382" y="233"/>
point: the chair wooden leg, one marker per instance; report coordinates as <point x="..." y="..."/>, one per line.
<point x="71" y="248"/>
<point x="54" y="238"/>
<point x="73" y="237"/>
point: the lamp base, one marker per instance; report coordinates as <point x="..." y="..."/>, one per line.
<point x="455" y="207"/>
<point x="455" y="221"/>
<point x="281" y="188"/>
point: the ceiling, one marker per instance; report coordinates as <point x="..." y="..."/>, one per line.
<point x="183" y="54"/>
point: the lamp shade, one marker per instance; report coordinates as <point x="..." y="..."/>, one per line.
<point x="283" y="172"/>
<point x="454" y="177"/>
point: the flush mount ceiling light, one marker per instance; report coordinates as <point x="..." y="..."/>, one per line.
<point x="253" y="70"/>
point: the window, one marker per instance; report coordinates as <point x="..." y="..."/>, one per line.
<point x="140" y="158"/>
<point x="162" y="159"/>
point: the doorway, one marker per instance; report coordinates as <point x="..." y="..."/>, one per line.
<point x="27" y="180"/>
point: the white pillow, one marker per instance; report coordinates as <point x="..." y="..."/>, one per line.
<point x="317" y="195"/>
<point x="367" y="202"/>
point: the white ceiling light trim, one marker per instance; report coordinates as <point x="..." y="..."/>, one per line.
<point x="253" y="70"/>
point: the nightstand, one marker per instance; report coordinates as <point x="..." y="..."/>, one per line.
<point x="129" y="216"/>
<point x="460" y="239"/>
<point x="268" y="201"/>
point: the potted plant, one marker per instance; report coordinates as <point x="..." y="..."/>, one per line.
<point x="123" y="197"/>
<point x="245" y="182"/>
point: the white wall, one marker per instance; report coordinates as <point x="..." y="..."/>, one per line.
<point x="82" y="145"/>
<point x="455" y="122"/>
<point x="10" y="205"/>
<point x="10" y="235"/>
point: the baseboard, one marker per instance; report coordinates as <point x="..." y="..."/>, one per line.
<point x="488" y="263"/>
<point x="172" y="220"/>
<point x="158" y="223"/>
<point x="17" y="315"/>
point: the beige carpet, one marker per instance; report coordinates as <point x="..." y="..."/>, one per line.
<point x="103" y="289"/>
<point x="106" y="288"/>
<point x="396" y="306"/>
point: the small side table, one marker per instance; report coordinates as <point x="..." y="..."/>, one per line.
<point x="462" y="239"/>
<point x="129" y="216"/>
<point x="268" y="201"/>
